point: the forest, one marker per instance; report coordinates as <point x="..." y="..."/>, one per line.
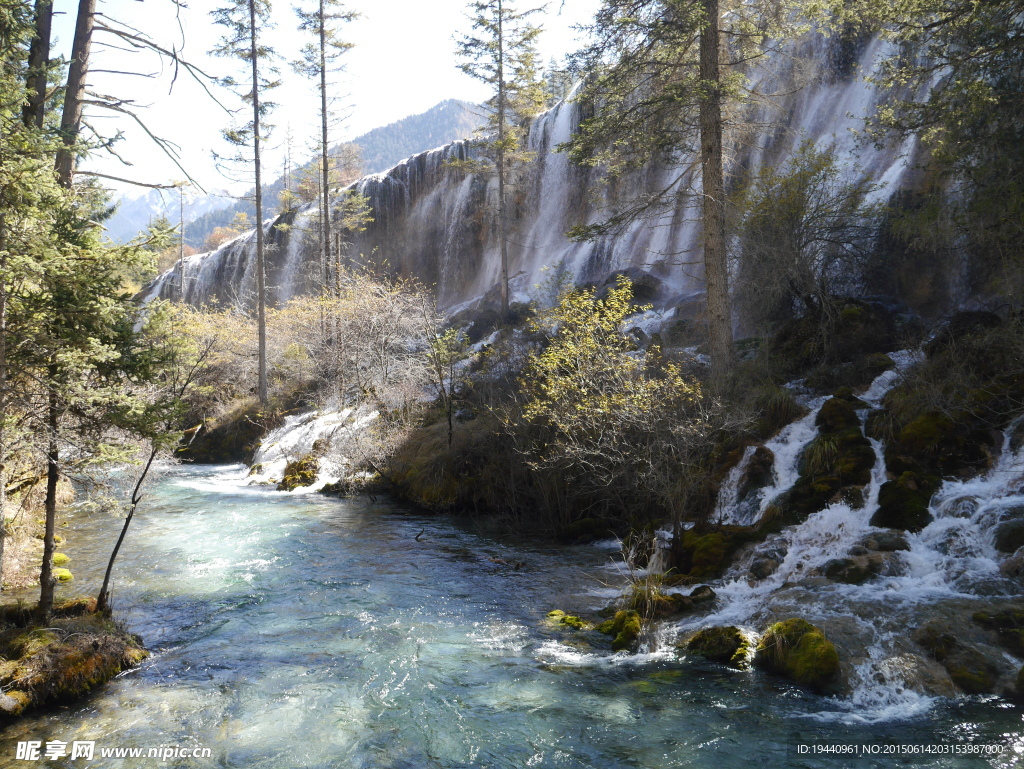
<point x="697" y="371"/>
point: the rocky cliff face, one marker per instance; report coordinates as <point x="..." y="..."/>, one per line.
<point x="435" y="223"/>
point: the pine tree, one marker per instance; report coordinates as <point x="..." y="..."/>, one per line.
<point x="658" y="90"/>
<point x="245" y="20"/>
<point x="501" y="52"/>
<point x="319" y="58"/>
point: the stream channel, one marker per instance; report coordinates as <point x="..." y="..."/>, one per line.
<point x="296" y="630"/>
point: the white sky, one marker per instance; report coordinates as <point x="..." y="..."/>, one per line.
<point x="403" y="63"/>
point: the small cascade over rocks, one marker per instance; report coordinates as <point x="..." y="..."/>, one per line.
<point x="321" y="438"/>
<point x="914" y="616"/>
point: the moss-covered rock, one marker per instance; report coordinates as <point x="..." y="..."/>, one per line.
<point x="725" y="645"/>
<point x="62" y="575"/>
<point x="624" y="627"/>
<point x="1008" y="627"/>
<point x="798" y="650"/>
<point x="903" y="503"/>
<point x="560" y="619"/>
<point x="60" y="559"/>
<point x="968" y="668"/>
<point x="1009" y="535"/>
<point x="300" y="472"/>
<point x="62" y="662"/>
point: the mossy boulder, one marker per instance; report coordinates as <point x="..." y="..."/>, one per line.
<point x="903" y="503"/>
<point x="624" y="627"/>
<point x="725" y="645"/>
<point x="1008" y="627"/>
<point x="968" y="668"/>
<point x="800" y="651"/>
<point x="852" y="571"/>
<point x="835" y="415"/>
<point x="62" y="575"/>
<point x="300" y="472"/>
<point x="560" y="619"/>
<point x="60" y="559"/>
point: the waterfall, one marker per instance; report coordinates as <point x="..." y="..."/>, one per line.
<point x="433" y="222"/>
<point x="949" y="569"/>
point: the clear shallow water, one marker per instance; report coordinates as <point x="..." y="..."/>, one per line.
<point x="299" y="631"/>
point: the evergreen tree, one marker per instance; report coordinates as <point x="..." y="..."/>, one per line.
<point x="319" y="58"/>
<point x="245" y="20"/>
<point x="501" y="52"/>
<point x="657" y="89"/>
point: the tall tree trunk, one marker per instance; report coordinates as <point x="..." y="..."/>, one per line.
<point x="325" y="170"/>
<point x="34" y="110"/>
<point x="716" y="267"/>
<point x="52" y="476"/>
<point x="3" y="392"/>
<point x="261" y="279"/>
<point x="103" y="600"/>
<point x="74" y="92"/>
<point x="502" y="235"/>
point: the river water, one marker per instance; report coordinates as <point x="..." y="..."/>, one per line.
<point x="293" y="630"/>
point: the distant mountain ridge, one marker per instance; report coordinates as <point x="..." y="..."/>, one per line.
<point x="381" y="148"/>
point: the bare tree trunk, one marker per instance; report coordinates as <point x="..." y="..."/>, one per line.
<point x="502" y="226"/>
<point x="716" y="268"/>
<point x="325" y="170"/>
<point x="3" y="391"/>
<point x="52" y="476"/>
<point x="103" y="600"/>
<point x="74" y="92"/>
<point x="34" y="110"/>
<point x="261" y="277"/>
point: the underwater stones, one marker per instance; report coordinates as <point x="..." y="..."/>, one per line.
<point x="968" y="668"/>
<point x="1009" y="536"/>
<point x="299" y="472"/>
<point x="624" y="628"/>
<point x="725" y="645"/>
<point x="800" y="651"/>
<point x="903" y="503"/>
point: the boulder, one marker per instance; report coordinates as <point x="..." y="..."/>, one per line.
<point x="725" y="645"/>
<point x="624" y="628"/>
<point x="903" y="503"/>
<point x="968" y="668"/>
<point x="889" y="541"/>
<point x="800" y="651"/>
<point x="1009" y="536"/>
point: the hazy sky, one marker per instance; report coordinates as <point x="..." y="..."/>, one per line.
<point x="403" y="63"/>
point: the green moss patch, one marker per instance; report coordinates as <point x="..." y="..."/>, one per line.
<point x="300" y="472"/>
<point x="968" y="668"/>
<point x="798" y="650"/>
<point x="903" y="503"/>
<point x="624" y="627"/>
<point x="725" y="645"/>
<point x="60" y="663"/>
